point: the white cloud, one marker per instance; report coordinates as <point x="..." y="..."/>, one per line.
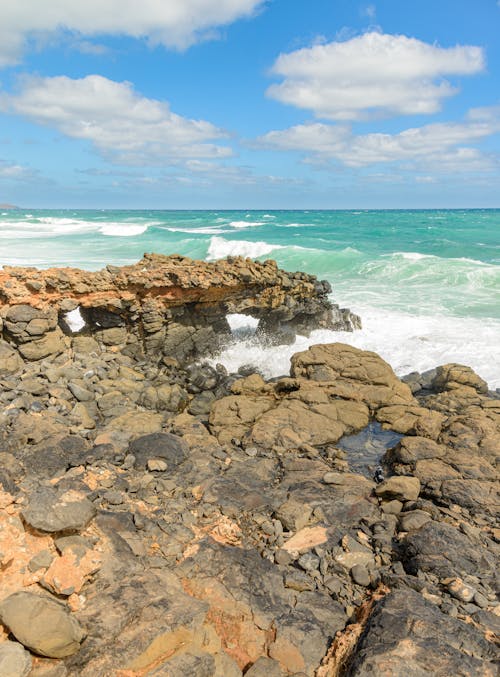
<point x="444" y="145"/>
<point x="15" y="172"/>
<point x="372" y="74"/>
<point x="172" y="23"/>
<point x="123" y="126"/>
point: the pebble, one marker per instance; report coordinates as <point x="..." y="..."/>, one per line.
<point x="360" y="575"/>
<point x="480" y="600"/>
<point x="460" y="591"/>
<point x="308" y="561"/>
<point x="113" y="497"/>
<point x="156" y="464"/>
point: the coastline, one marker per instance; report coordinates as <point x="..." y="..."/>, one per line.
<point x="160" y="512"/>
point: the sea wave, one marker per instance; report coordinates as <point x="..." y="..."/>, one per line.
<point x="219" y="248"/>
<point x="122" y="229"/>
<point x="414" y="343"/>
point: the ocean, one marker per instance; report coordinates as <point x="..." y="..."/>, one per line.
<point x="426" y="283"/>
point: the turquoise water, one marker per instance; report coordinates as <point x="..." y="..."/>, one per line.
<point x="426" y="282"/>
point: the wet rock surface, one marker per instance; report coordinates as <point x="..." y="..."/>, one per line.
<point x="158" y="518"/>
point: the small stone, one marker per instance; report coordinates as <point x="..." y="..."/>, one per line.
<point x="401" y="487"/>
<point x="360" y="575"/>
<point x="113" y="497"/>
<point x="42" y="624"/>
<point x="308" y="561"/>
<point x="282" y="557"/>
<point x="460" y="591"/>
<point x="264" y="667"/>
<point x="42" y="560"/>
<point x="333" y="585"/>
<point x="480" y="600"/>
<point x="413" y="520"/>
<point x="15" y="661"/>
<point x="392" y="507"/>
<point x="82" y="394"/>
<point x="334" y="478"/>
<point x="156" y="465"/>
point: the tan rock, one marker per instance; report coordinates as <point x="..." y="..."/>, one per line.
<point x="306" y="539"/>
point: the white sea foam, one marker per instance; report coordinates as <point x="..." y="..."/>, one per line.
<point x="219" y="248"/>
<point x="204" y="230"/>
<point x="407" y="342"/>
<point x="74" y="320"/>
<point x="122" y="229"/>
<point x="245" y="224"/>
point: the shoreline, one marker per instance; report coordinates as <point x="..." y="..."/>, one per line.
<point x="162" y="513"/>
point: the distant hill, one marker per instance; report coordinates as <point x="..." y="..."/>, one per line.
<point x="6" y="206"/>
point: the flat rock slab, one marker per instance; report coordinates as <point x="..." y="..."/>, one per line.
<point x="42" y="624"/>
<point x="52" y="512"/>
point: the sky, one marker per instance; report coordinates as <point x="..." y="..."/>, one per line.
<point x="241" y="104"/>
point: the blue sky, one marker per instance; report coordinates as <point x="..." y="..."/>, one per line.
<point x="250" y="103"/>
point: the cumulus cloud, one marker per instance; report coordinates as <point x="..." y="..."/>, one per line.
<point x="372" y="74"/>
<point x="172" y="23"/>
<point x="439" y="144"/>
<point x="123" y="126"/>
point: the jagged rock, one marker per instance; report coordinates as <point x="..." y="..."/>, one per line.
<point x="169" y="304"/>
<point x="42" y="624"/>
<point x="454" y="376"/>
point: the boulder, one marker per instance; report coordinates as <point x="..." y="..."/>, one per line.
<point x="401" y="488"/>
<point x="42" y="624"/>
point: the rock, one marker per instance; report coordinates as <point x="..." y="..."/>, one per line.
<point x="264" y="667"/>
<point x="41" y="624"/>
<point x="293" y="515"/>
<point x="15" y="661"/>
<point x="165" y="447"/>
<point x="407" y="635"/>
<point x="443" y="550"/>
<point x="413" y="519"/>
<point x="455" y="376"/>
<point x="52" y="512"/>
<point x="460" y="591"/>
<point x="402" y="488"/>
<point x="334" y="478"/>
<point x="50" y="344"/>
<point x="360" y="575"/>
<point x="82" y="394"/>
<point x="10" y="360"/>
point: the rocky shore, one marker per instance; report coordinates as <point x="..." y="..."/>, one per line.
<point x="162" y="517"/>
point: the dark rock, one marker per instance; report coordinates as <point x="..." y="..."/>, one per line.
<point x="443" y="550"/>
<point x="360" y="575"/>
<point x="52" y="512"/>
<point x="164" y="446"/>
<point x="406" y="635"/>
